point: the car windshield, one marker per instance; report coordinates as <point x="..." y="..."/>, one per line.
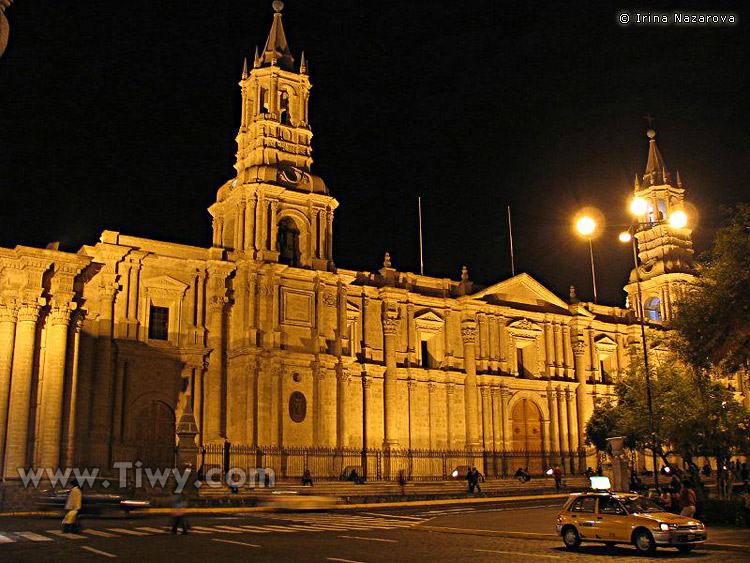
<point x="640" y="505"/>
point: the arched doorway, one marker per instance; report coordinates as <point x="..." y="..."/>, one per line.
<point x="155" y="435"/>
<point x="526" y="429"/>
<point x="288" y="242"/>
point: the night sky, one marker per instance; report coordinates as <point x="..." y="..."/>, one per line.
<point x="122" y="116"/>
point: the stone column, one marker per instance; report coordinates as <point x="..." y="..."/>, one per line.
<point x="432" y="418"/>
<point x="573" y="436"/>
<point x="101" y="431"/>
<point x="559" y="354"/>
<point x="70" y="445"/>
<point x="450" y="391"/>
<point x="329" y="234"/>
<point x="411" y="390"/>
<point x="505" y="400"/>
<point x="390" y="324"/>
<point x="8" y="315"/>
<point x="548" y="349"/>
<point x="214" y="385"/>
<point x="563" y="426"/>
<point x="469" y="336"/>
<point x="487" y="433"/>
<point x="20" y="390"/>
<point x="554" y="415"/>
<point x="497" y="419"/>
<point x="342" y="379"/>
<point x="566" y="351"/>
<point x="367" y="413"/>
<point x="579" y="349"/>
<point x="54" y="383"/>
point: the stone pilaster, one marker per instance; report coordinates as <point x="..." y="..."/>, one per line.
<point x="554" y="415"/>
<point x="344" y="420"/>
<point x="8" y="317"/>
<point x="20" y="390"/>
<point x="450" y="392"/>
<point x="563" y="420"/>
<point x="505" y="401"/>
<point x="471" y="398"/>
<point x="214" y="401"/>
<point x="390" y="325"/>
<point x="54" y="383"/>
<point x="573" y="436"/>
<point x="432" y="417"/>
<point x="579" y="349"/>
<point x="487" y="431"/>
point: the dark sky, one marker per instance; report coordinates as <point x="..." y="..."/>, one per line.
<point x="122" y="116"/>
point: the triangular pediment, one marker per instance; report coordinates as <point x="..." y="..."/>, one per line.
<point x="428" y="317"/>
<point x="605" y="342"/>
<point x="165" y="282"/>
<point x="521" y="289"/>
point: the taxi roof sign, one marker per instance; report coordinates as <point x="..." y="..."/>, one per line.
<point x="599" y="483"/>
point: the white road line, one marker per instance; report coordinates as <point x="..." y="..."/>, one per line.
<point x="392" y="516"/>
<point x="208" y="530"/>
<point x="343" y="560"/>
<point x="229" y="528"/>
<point x="369" y="539"/>
<point x="99" y="552"/>
<point x="101" y="534"/>
<point x="6" y="539"/>
<point x="533" y="555"/>
<point x="235" y="542"/>
<point x="32" y="536"/>
<point x="68" y="536"/>
<point x="256" y="529"/>
<point x="128" y="532"/>
<point x="152" y="530"/>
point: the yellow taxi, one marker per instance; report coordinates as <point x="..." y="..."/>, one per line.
<point x="612" y="518"/>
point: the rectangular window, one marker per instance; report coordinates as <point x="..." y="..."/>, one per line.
<point x="604" y="371"/>
<point x="519" y="360"/>
<point x="158" y="323"/>
<point x="426" y="359"/>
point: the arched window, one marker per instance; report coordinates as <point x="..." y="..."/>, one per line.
<point x="284" y="109"/>
<point x="653" y="309"/>
<point x="288" y="242"/>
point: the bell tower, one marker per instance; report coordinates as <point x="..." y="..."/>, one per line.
<point x="665" y="249"/>
<point x="275" y="209"/>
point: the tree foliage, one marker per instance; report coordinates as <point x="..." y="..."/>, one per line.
<point x="693" y="414"/>
<point x="712" y="317"/>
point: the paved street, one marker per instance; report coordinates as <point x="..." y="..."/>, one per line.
<point x="366" y="536"/>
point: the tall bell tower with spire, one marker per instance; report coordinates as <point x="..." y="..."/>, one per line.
<point x="275" y="209"/>
<point x="665" y="252"/>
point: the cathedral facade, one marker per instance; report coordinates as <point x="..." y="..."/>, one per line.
<point x="267" y="343"/>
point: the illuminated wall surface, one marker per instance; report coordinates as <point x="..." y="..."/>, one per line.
<point x="272" y="344"/>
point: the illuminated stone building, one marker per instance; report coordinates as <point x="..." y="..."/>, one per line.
<point x="271" y="344"/>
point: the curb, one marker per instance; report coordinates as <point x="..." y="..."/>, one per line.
<point x="239" y="510"/>
<point x="538" y="536"/>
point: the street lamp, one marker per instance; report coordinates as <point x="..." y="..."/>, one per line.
<point x="586" y="226"/>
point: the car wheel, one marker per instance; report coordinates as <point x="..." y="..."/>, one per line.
<point x="570" y="537"/>
<point x="685" y="548"/>
<point x="644" y="541"/>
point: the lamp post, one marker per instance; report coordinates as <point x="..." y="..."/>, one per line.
<point x="678" y="219"/>
<point x="586" y="226"/>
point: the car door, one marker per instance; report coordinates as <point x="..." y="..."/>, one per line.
<point x="583" y="515"/>
<point x="611" y="520"/>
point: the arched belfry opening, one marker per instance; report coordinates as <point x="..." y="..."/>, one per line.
<point x="288" y="242"/>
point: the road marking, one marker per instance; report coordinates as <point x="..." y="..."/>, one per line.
<point x="6" y="539"/>
<point x="32" y="536"/>
<point x="69" y="536"/>
<point x="128" y="532"/>
<point x="256" y="529"/>
<point x="369" y="539"/>
<point x="102" y="534"/>
<point x="236" y="542"/>
<point x="224" y="527"/>
<point x="343" y="560"/>
<point x="152" y="530"/>
<point x="208" y="530"/>
<point x="520" y="553"/>
<point x="99" y="551"/>
<point x="391" y="516"/>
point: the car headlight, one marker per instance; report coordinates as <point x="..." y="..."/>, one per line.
<point x="667" y="527"/>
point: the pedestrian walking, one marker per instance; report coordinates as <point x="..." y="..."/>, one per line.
<point x="73" y="505"/>
<point x="179" y="504"/>
<point x="558" y="475"/>
<point x="307" y="478"/>
<point x="688" y="500"/>
<point x="473" y="477"/>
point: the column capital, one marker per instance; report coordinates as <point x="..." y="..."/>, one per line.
<point x="469" y="331"/>
<point x="579" y="348"/>
<point x="484" y="391"/>
<point x="8" y="311"/>
<point x="60" y="315"/>
<point x="411" y="384"/>
<point x="450" y="388"/>
<point x="431" y="387"/>
<point x="28" y="312"/>
<point x="216" y="302"/>
<point x="366" y="381"/>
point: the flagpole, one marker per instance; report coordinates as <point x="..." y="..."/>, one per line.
<point x="512" y="258"/>
<point x="421" y="249"/>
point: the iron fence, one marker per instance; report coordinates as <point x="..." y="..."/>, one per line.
<point x="330" y="464"/>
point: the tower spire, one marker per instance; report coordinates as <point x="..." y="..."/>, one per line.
<point x="244" y="68"/>
<point x="303" y="64"/>
<point x="276" y="52"/>
<point x="655" y="167"/>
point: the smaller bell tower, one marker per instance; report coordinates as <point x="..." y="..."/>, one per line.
<point x="275" y="209"/>
<point x="665" y="251"/>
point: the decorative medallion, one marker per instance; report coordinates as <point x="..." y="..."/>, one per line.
<point x="297" y="406"/>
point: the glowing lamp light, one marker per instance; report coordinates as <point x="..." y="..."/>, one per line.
<point x="586" y="226"/>
<point x="455" y="473"/>
<point x="625" y="236"/>
<point x="678" y="219"/>
<point x="638" y="206"/>
<point x="550" y="472"/>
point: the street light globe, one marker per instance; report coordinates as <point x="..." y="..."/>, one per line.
<point x="678" y="219"/>
<point x="638" y="206"/>
<point x="625" y="236"/>
<point x="586" y="226"/>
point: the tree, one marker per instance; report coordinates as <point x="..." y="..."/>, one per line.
<point x="712" y="316"/>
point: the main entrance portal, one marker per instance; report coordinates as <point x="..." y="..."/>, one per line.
<point x="526" y="428"/>
<point x="155" y="435"/>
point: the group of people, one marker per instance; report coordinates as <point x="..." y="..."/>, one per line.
<point x="679" y="497"/>
<point x="522" y="475"/>
<point x="474" y="477"/>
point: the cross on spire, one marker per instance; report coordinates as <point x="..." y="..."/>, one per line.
<point x="648" y="118"/>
